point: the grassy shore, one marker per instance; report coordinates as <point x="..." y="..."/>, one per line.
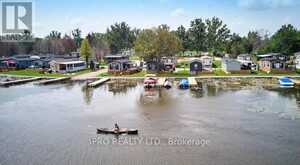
<point x="216" y="72"/>
<point x="37" y="73"/>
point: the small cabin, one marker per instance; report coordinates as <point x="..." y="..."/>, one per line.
<point x="119" y="66"/>
<point x="272" y="61"/>
<point x="297" y="60"/>
<point x="153" y="66"/>
<point x="67" y="66"/>
<point x="169" y="63"/>
<point x="246" y="61"/>
<point x="195" y="67"/>
<point x="118" y="57"/>
<point x="231" y="65"/>
<point x="207" y="62"/>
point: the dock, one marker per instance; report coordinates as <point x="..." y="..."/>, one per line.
<point x="297" y="82"/>
<point x="161" y="81"/>
<point x="98" y="83"/>
<point x="192" y="82"/>
<point x="52" y="81"/>
<point x="17" y="82"/>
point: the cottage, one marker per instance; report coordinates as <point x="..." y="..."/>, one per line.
<point x="117" y="57"/>
<point x="195" y="67"/>
<point x="231" y="65"/>
<point x="122" y="66"/>
<point x="66" y="66"/>
<point x="207" y="62"/>
<point x="168" y="63"/>
<point x="246" y="61"/>
<point x="7" y="63"/>
<point x="272" y="61"/>
<point x="297" y="60"/>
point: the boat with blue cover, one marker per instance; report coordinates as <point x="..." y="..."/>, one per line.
<point x="286" y="82"/>
<point x="184" y="84"/>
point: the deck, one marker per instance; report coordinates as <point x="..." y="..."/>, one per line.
<point x="192" y="82"/>
<point x="17" y="82"/>
<point x="98" y="83"/>
<point x="52" y="81"/>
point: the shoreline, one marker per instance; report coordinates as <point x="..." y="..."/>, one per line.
<point x="196" y="77"/>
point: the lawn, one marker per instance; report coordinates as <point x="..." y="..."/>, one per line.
<point x="37" y="73"/>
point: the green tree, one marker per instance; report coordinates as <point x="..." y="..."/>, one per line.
<point x="197" y="35"/>
<point x="157" y="43"/>
<point x="99" y="45"/>
<point x="120" y="37"/>
<point x="217" y="34"/>
<point x="182" y="34"/>
<point x="77" y="37"/>
<point x="54" y="35"/>
<point x="85" y="51"/>
<point x="286" y="40"/>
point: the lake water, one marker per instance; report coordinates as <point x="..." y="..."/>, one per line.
<point x="240" y="124"/>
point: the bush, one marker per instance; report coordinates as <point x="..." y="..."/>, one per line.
<point x="217" y="64"/>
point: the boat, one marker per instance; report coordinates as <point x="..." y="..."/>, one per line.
<point x="286" y="82"/>
<point x="115" y="132"/>
<point x="168" y="84"/>
<point x="184" y="84"/>
<point x="150" y="81"/>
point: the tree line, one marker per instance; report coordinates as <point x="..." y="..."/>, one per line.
<point x="210" y="35"/>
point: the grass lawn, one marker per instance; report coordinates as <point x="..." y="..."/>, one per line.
<point x="216" y="72"/>
<point x="36" y="73"/>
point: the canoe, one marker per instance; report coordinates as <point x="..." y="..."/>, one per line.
<point x="150" y="82"/>
<point x="184" y="84"/>
<point x="167" y="85"/>
<point x="121" y="131"/>
<point x="285" y="81"/>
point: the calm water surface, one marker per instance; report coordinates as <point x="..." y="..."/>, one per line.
<point x="243" y="124"/>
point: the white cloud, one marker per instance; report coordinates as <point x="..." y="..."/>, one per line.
<point x="266" y="4"/>
<point x="178" y="12"/>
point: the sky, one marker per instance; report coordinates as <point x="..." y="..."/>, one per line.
<point x="241" y="16"/>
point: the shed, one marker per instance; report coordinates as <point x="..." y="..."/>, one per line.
<point x="231" y="65"/>
<point x="195" y="66"/>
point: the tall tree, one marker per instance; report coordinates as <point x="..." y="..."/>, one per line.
<point x="197" y="35"/>
<point x="86" y="51"/>
<point x="156" y="43"/>
<point x="183" y="36"/>
<point x="217" y="34"/>
<point x="120" y="37"/>
<point x="54" y="35"/>
<point x="99" y="45"/>
<point x="77" y="37"/>
<point x="286" y="40"/>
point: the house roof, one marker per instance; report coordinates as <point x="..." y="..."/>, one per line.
<point x="268" y="55"/>
<point x="244" y="55"/>
<point x="206" y="57"/>
<point x="116" y="56"/>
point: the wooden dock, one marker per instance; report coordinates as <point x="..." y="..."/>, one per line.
<point x="98" y="83"/>
<point x="161" y="81"/>
<point x="297" y="82"/>
<point x="192" y="82"/>
<point x="17" y="82"/>
<point x="52" y="81"/>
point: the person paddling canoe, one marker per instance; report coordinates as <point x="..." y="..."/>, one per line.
<point x="117" y="128"/>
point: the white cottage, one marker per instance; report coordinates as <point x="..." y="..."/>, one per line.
<point x="297" y="60"/>
<point x="67" y="66"/>
<point x="207" y="62"/>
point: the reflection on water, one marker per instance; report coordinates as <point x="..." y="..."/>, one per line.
<point x="121" y="86"/>
<point x="246" y="122"/>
